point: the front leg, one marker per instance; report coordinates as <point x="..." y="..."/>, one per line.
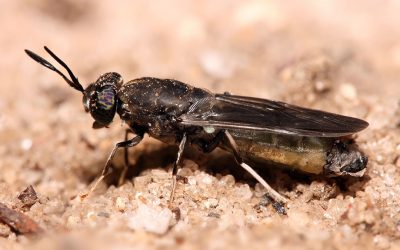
<point x="124" y="144"/>
<point x="126" y="160"/>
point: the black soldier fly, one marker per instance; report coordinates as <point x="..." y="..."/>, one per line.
<point x="252" y="129"/>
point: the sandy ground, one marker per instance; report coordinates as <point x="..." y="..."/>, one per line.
<point x="339" y="56"/>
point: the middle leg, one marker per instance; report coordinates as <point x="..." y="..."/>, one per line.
<point x="126" y="160"/>
<point x="182" y="145"/>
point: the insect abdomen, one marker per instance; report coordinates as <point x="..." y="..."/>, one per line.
<point x="315" y="155"/>
<point x="306" y="154"/>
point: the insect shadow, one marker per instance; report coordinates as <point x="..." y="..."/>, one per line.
<point x="222" y="163"/>
<point x="139" y="161"/>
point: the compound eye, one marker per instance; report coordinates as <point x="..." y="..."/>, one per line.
<point x="106" y="98"/>
<point x="103" y="105"/>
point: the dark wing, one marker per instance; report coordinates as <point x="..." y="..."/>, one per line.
<point x="241" y="112"/>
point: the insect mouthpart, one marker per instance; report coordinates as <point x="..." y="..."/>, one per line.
<point x="86" y="103"/>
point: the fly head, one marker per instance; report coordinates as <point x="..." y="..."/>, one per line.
<point x="99" y="98"/>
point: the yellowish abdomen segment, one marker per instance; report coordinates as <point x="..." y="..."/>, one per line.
<point x="306" y="154"/>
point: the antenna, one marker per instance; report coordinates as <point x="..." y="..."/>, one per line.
<point x="73" y="82"/>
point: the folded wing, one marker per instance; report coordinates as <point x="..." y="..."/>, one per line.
<point x="241" y="112"/>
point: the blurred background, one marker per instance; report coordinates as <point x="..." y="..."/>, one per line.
<point x="340" y="56"/>
<point x="262" y="48"/>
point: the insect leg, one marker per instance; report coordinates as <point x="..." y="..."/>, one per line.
<point x="176" y="165"/>
<point x="208" y="146"/>
<point x="124" y="144"/>
<point x="275" y="195"/>
<point x="126" y="160"/>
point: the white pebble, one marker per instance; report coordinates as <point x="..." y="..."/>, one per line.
<point x="73" y="221"/>
<point x="379" y="159"/>
<point x="347" y="231"/>
<point x="211" y="203"/>
<point x="151" y="219"/>
<point x="121" y="203"/>
<point x="26" y="144"/>
<point x="206" y="179"/>
<point x="215" y="65"/>
<point x="92" y="218"/>
<point x="192" y="181"/>
<point x="244" y="192"/>
<point x="348" y="91"/>
<point x="381" y="242"/>
<point x="228" y="180"/>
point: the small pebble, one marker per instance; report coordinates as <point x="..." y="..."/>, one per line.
<point x="26" y="144"/>
<point x="54" y="207"/>
<point x="28" y="197"/>
<point x="381" y="242"/>
<point x="151" y="219"/>
<point x="140" y="182"/>
<point x="243" y="192"/>
<point x="228" y="180"/>
<point x="379" y="159"/>
<point x="214" y="215"/>
<point x="192" y="181"/>
<point x="103" y="214"/>
<point x="348" y="91"/>
<point x="215" y="65"/>
<point x="211" y="203"/>
<point x="185" y="172"/>
<point x="204" y="180"/>
<point x="347" y="232"/>
<point x="321" y="86"/>
<point x="92" y="218"/>
<point x="120" y="203"/>
<point x="73" y="221"/>
<point x="4" y="230"/>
